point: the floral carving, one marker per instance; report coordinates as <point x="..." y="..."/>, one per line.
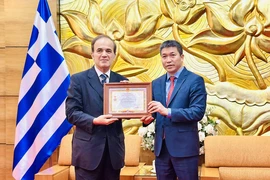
<point x="225" y="41"/>
<point x="136" y="29"/>
<point x="243" y="30"/>
<point x="181" y="13"/>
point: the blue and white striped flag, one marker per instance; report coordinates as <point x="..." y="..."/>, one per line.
<point x="41" y="121"/>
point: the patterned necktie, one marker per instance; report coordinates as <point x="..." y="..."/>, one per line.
<point x="103" y="78"/>
<point x="171" y="89"/>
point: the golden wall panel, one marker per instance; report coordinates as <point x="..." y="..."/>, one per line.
<point x="6" y="158"/>
<point x="2" y="25"/>
<point x="2" y="119"/>
<point x="2" y="161"/>
<point x="15" y="59"/>
<point x="11" y="111"/>
<point x="20" y="18"/>
<point x="8" y="162"/>
<point x="2" y="71"/>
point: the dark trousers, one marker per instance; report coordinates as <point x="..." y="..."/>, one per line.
<point x="171" y="168"/>
<point x="104" y="171"/>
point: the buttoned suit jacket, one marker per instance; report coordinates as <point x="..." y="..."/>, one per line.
<point x="187" y="103"/>
<point x="83" y="104"/>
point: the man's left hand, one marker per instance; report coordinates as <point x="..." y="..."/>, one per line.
<point x="155" y="106"/>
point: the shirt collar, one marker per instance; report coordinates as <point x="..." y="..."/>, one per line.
<point x="99" y="72"/>
<point x="176" y="75"/>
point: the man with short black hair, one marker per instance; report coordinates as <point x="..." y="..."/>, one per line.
<point x="179" y="102"/>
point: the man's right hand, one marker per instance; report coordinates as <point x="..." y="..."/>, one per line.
<point x="106" y="119"/>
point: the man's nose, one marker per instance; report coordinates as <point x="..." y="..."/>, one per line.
<point x="104" y="53"/>
<point x="168" y="59"/>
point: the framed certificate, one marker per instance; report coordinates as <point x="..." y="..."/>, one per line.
<point x="127" y="100"/>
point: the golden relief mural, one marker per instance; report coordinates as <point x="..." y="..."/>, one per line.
<point x="225" y="41"/>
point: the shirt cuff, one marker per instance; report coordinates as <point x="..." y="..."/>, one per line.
<point x="169" y="113"/>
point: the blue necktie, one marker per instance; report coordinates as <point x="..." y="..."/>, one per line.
<point x="103" y="78"/>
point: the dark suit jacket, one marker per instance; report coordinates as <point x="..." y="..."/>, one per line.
<point x="187" y="103"/>
<point x="83" y="104"/>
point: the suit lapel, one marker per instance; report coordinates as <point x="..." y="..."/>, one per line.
<point x="181" y="79"/>
<point x="163" y="89"/>
<point x="113" y="77"/>
<point x="95" y="82"/>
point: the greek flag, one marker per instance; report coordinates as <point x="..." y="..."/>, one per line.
<point x="41" y="121"/>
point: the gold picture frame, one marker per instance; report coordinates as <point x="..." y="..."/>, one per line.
<point x="127" y="100"/>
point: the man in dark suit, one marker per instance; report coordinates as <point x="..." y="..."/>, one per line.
<point x="179" y="102"/>
<point x="98" y="141"/>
